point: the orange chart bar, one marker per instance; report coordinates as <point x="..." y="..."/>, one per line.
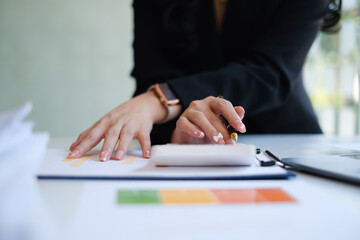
<point x="203" y="196"/>
<point x="187" y="196"/>
<point x="76" y="162"/>
<point x="129" y="159"/>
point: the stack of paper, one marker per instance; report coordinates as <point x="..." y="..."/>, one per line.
<point x="21" y="152"/>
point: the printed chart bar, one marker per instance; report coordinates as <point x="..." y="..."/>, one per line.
<point x="129" y="159"/>
<point x="203" y="196"/>
<point x="77" y="161"/>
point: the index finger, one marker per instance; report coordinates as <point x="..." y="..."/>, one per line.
<point x="90" y="140"/>
<point x="80" y="138"/>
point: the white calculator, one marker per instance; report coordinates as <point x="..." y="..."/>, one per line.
<point x="203" y="155"/>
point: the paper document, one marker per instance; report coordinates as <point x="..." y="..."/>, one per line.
<point x="21" y="151"/>
<point x="57" y="165"/>
<point x="188" y="210"/>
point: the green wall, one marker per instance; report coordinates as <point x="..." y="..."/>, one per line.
<point x="71" y="59"/>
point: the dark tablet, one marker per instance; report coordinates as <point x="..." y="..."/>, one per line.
<point x="342" y="168"/>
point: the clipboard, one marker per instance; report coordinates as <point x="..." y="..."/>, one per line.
<point x="55" y="165"/>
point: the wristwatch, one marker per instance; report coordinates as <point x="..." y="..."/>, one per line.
<point x="165" y="94"/>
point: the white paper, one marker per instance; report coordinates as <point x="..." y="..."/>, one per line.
<point x="13" y="131"/>
<point x="21" y="151"/>
<point x="312" y="216"/>
<point x="53" y="166"/>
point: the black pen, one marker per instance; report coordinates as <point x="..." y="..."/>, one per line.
<point x="270" y="154"/>
<point x="232" y="132"/>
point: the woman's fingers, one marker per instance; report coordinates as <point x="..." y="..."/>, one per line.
<point x="208" y="116"/>
<point x="144" y="140"/>
<point x="121" y="125"/>
<point x="116" y="133"/>
<point x="90" y="140"/>
<point x="226" y="109"/>
<point x="199" y="119"/>
<point x="111" y="138"/>
<point x="80" y="138"/>
<point x="241" y="112"/>
<point x="219" y="124"/>
<point x="230" y="142"/>
<point x="126" y="136"/>
<point x="185" y="125"/>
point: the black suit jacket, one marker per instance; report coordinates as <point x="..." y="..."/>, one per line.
<point x="255" y="62"/>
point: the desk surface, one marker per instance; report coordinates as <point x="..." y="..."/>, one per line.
<point x="61" y="197"/>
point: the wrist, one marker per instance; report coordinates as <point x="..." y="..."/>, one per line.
<point x="167" y="99"/>
<point x="158" y="111"/>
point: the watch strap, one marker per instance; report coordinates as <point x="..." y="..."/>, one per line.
<point x="165" y="94"/>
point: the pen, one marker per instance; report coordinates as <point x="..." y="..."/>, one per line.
<point x="232" y="132"/>
<point x="270" y="154"/>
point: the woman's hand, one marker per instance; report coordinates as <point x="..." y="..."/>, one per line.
<point x="133" y="119"/>
<point x="201" y="122"/>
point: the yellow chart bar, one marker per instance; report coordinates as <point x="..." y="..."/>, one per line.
<point x="187" y="196"/>
<point x="129" y="159"/>
<point x="78" y="162"/>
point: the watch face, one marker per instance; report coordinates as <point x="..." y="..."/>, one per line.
<point x="165" y="94"/>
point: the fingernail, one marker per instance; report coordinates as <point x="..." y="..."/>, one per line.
<point x="147" y="154"/>
<point x="119" y="155"/>
<point x="243" y="128"/>
<point x="104" y="156"/>
<point x="73" y="154"/>
<point x="230" y="142"/>
<point x="218" y="137"/>
<point x="238" y="124"/>
<point x="199" y="133"/>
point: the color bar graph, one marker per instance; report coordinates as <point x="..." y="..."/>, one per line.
<point x="203" y="196"/>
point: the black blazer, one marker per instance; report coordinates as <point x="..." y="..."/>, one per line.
<point x="255" y="62"/>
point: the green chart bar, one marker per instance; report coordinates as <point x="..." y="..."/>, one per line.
<point x="138" y="196"/>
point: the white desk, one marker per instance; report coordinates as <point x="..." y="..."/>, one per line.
<point x="61" y="198"/>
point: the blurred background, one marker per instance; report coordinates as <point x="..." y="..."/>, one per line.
<point x="72" y="60"/>
<point x="331" y="74"/>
